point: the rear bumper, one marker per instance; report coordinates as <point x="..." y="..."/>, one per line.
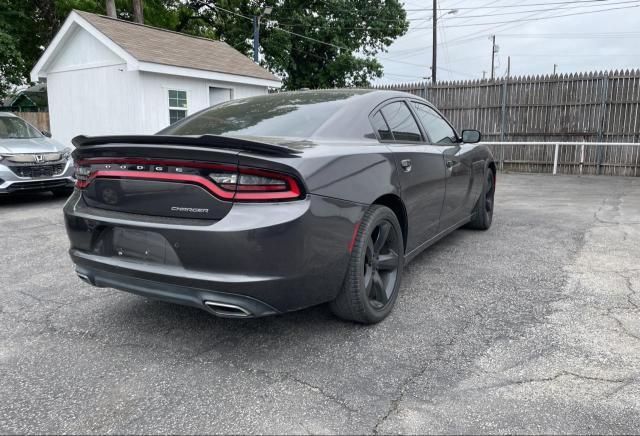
<point x="178" y="294"/>
<point x="264" y="258"/>
<point x="12" y="183"/>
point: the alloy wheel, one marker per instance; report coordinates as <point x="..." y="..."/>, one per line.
<point x="381" y="264"/>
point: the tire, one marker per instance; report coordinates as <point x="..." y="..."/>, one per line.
<point x="371" y="286"/>
<point x="483" y="210"/>
<point x="62" y="192"/>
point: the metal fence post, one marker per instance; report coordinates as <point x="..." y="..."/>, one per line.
<point x="581" y="157"/>
<point x="555" y="159"/>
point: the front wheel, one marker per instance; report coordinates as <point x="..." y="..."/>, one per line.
<point x="371" y="287"/>
<point x="483" y="211"/>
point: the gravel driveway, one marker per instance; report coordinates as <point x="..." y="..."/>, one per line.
<point x="530" y="327"/>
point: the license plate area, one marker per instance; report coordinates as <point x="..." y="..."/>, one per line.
<point x="141" y="245"/>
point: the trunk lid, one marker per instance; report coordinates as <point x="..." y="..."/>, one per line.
<point x="167" y="176"/>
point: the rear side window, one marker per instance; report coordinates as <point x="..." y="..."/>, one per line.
<point x="402" y="124"/>
<point x="439" y="131"/>
<point x="381" y="126"/>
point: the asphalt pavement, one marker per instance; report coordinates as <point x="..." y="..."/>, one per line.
<point x="530" y="327"/>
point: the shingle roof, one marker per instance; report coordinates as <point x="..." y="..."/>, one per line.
<point x="150" y="44"/>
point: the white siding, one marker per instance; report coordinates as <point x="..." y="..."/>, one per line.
<point x="155" y="89"/>
<point x="80" y="51"/>
<point x="95" y="101"/>
<point x="92" y="91"/>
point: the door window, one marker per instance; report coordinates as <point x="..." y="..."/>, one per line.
<point x="402" y="124"/>
<point x="381" y="126"/>
<point x="439" y="131"/>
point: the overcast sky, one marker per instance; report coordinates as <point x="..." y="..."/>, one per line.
<point x="607" y="39"/>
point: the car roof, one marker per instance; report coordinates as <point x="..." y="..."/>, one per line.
<point x="8" y="114"/>
<point x="364" y="94"/>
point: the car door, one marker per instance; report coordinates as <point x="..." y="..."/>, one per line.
<point x="420" y="168"/>
<point x="458" y="168"/>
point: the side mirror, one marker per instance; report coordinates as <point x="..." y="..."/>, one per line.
<point x="471" y="136"/>
<point x="47" y="134"/>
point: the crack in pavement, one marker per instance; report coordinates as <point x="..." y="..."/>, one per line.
<point x="563" y="373"/>
<point x="278" y="376"/>
<point x="421" y="370"/>
<point x="622" y="326"/>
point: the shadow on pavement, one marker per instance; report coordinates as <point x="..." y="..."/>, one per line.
<point x="29" y="198"/>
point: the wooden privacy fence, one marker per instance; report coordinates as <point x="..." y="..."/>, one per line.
<point x="39" y="119"/>
<point x="590" y="107"/>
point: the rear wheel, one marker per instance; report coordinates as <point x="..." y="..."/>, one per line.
<point x="371" y="287"/>
<point x="483" y="211"/>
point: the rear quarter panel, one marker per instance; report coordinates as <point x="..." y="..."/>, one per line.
<point x="354" y="172"/>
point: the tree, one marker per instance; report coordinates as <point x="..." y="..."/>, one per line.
<point x="110" y="6"/>
<point x="315" y="44"/>
<point x="353" y="31"/>
<point x="138" y="15"/>
<point x="28" y="26"/>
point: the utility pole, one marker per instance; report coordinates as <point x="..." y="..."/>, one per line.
<point x="484" y="74"/>
<point x="555" y="66"/>
<point x="434" y="54"/>
<point x="256" y="39"/>
<point x="508" y="66"/>
<point x="256" y="33"/>
<point x="493" y="56"/>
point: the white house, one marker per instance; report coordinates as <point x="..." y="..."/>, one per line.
<point x="109" y="76"/>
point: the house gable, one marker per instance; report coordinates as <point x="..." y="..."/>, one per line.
<point x="75" y="24"/>
<point x="82" y="50"/>
<point x="144" y="48"/>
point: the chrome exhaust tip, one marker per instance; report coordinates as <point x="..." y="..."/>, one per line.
<point x="227" y="310"/>
<point x="85" y="278"/>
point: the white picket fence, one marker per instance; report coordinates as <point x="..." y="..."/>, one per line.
<point x="601" y="158"/>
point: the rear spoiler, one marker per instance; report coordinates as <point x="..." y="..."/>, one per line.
<point x="205" y="141"/>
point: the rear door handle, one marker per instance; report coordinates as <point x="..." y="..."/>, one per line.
<point x="406" y="164"/>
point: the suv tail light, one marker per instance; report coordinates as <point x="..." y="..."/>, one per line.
<point x="224" y="181"/>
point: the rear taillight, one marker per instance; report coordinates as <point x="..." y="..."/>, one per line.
<point x="224" y="181"/>
<point x="82" y="174"/>
<point x="262" y="185"/>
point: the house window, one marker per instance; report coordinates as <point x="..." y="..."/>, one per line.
<point x="177" y="105"/>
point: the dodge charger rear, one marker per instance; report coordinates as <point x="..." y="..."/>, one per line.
<point x="268" y="205"/>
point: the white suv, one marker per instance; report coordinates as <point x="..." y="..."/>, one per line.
<point x="31" y="161"/>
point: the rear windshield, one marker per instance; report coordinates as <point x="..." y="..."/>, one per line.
<point x="281" y="115"/>
<point x="15" y="128"/>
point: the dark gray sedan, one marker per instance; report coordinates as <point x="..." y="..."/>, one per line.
<point x="275" y="203"/>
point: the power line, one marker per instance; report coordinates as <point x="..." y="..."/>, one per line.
<point x="467" y="18"/>
<point x="612" y="35"/>
<point x="284" y="30"/>
<point x="536" y="19"/>
<point x="528" y="11"/>
<point x="515" y="6"/>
